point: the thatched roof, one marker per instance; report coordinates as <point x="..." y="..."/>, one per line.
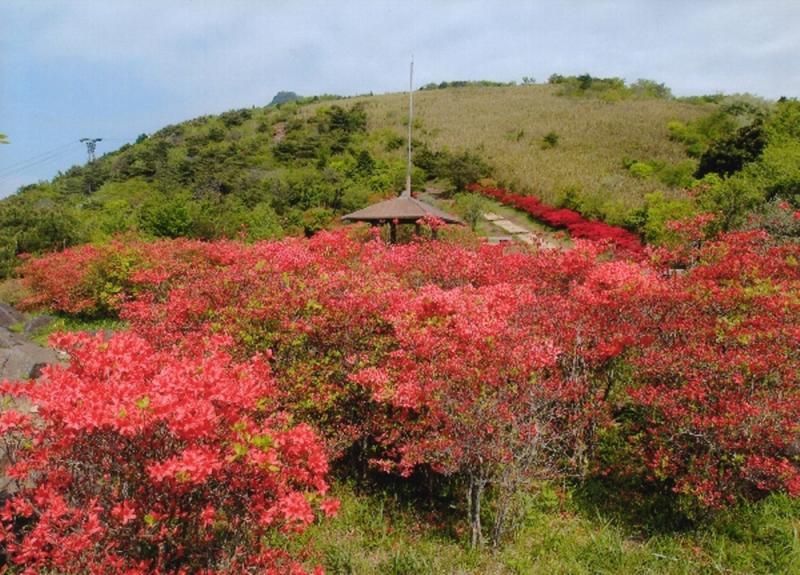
<point x="404" y="209"/>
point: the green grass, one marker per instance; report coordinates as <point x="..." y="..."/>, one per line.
<point x="63" y="323"/>
<point x="485" y="228"/>
<point x="593" y="136"/>
<point x="11" y="291"/>
<point x="378" y="534"/>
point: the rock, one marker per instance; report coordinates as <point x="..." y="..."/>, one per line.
<point x="22" y="359"/>
<point x="37" y="369"/>
<point x="106" y="333"/>
<point x="8" y="338"/>
<point x="37" y="323"/>
<point x="9" y="316"/>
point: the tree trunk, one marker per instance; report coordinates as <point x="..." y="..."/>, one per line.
<point x="475" y="493"/>
<point x="503" y="503"/>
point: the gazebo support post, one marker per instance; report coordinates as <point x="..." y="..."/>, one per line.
<point x="392" y="232"/>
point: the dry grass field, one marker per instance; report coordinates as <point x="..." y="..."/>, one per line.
<point x="505" y="125"/>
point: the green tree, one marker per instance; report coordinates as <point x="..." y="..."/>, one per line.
<point x="167" y="216"/>
<point x="470" y="207"/>
<point x="730" y="154"/>
<point x="731" y="200"/>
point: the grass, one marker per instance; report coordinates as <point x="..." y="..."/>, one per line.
<point x="593" y="136"/>
<point x="558" y="534"/>
<point x="484" y="228"/>
<point x="63" y="323"/>
<point x="11" y="291"/>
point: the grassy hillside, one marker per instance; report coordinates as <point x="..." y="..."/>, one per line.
<point x="506" y="125"/>
<point x="610" y="152"/>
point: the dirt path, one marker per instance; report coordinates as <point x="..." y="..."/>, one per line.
<point x="501" y="223"/>
<point x="520" y="232"/>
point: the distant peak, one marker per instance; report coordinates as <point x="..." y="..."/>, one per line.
<point x="282" y="97"/>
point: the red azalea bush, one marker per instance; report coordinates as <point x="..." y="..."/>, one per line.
<point x="718" y="385"/>
<point x="625" y="242"/>
<point x="475" y="391"/>
<point x="463" y="358"/>
<point x="95" y="280"/>
<point x="329" y="307"/>
<point x="140" y="460"/>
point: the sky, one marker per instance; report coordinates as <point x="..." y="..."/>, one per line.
<point x="119" y="68"/>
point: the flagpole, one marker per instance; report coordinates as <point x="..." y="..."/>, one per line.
<point x="407" y="192"/>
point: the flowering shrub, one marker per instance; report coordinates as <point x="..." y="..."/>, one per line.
<point x="718" y="385"/>
<point x="94" y="280"/>
<point x="473" y="393"/>
<point x="624" y="241"/>
<point x="489" y="364"/>
<point x="158" y="461"/>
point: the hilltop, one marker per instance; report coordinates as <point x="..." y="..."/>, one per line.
<point x="608" y="150"/>
<point x="507" y="126"/>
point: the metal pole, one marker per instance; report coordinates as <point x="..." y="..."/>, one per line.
<point x="407" y="192"/>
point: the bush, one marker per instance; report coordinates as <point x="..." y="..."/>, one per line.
<point x="167" y="217"/>
<point x="88" y="281"/>
<point x="729" y="155"/>
<point x="461" y="168"/>
<point x="146" y="461"/>
<point x="654" y="217"/>
<point x="470" y="208"/>
<point x="641" y="170"/>
<point x="622" y="240"/>
<point x="549" y="140"/>
<point x="488" y="367"/>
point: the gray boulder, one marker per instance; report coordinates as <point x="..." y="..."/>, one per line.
<point x="37" y="323"/>
<point x="22" y="359"/>
<point x="9" y="316"/>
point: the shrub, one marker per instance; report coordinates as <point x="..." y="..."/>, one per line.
<point x="624" y="241"/>
<point x="729" y="155"/>
<point x="460" y="360"/>
<point x="653" y="218"/>
<point x="717" y="388"/>
<point x="640" y="170"/>
<point x="469" y="207"/>
<point x="146" y="461"/>
<point x="461" y="168"/>
<point x="549" y="140"/>
<point x="86" y="280"/>
<point x="167" y="217"/>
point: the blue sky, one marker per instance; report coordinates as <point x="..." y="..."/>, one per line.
<point x="118" y="68"/>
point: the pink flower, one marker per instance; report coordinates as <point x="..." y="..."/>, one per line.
<point x="330" y="507"/>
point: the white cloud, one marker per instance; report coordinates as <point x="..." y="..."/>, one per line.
<point x="235" y="51"/>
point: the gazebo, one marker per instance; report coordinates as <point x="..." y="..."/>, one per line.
<point x="403" y="209"/>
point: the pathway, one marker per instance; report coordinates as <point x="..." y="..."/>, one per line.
<point x="519" y="232"/>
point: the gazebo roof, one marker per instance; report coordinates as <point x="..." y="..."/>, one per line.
<point x="405" y="209"/>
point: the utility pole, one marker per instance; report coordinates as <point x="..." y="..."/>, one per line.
<point x="91" y="144"/>
<point x="407" y="191"/>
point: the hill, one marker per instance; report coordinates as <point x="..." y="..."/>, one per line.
<point x="507" y="125"/>
<point x="596" y="145"/>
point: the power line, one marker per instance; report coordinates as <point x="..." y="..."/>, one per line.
<point x="37" y="156"/>
<point x="11" y="170"/>
<point x="33" y="164"/>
